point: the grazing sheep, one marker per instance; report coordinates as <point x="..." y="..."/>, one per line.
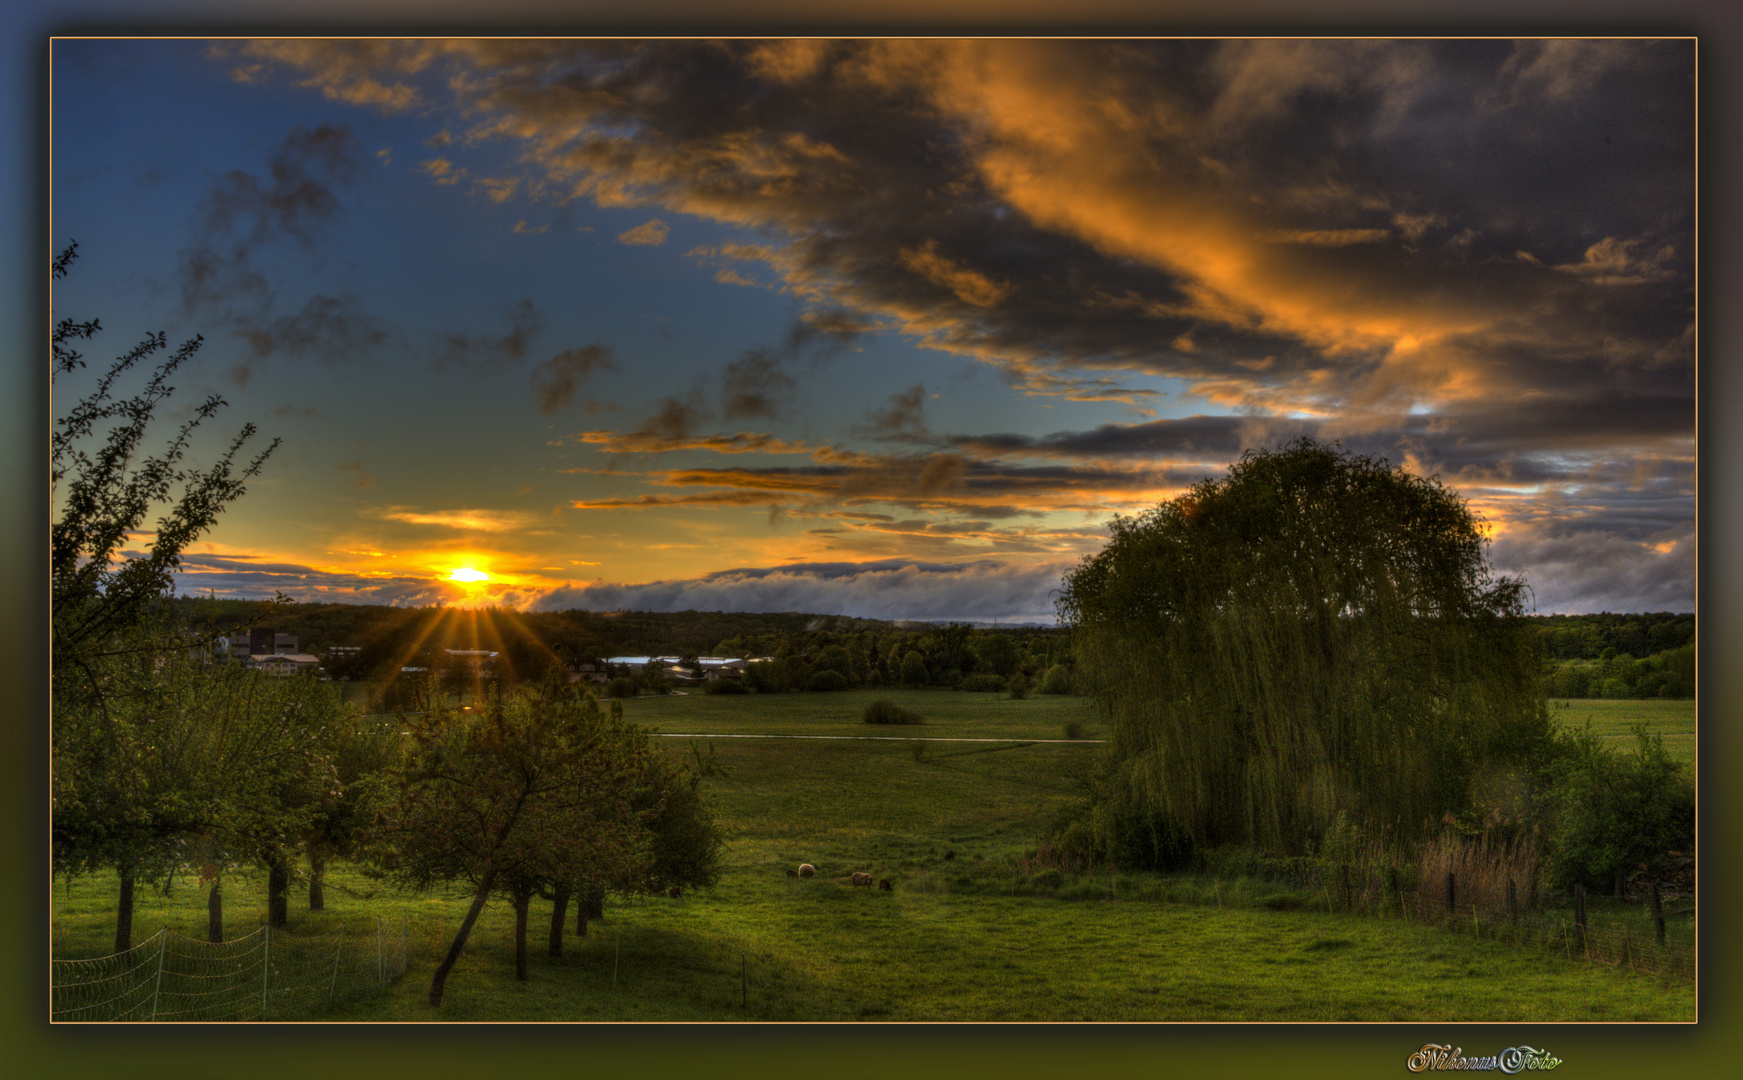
<point x="862" y="879"/>
<point x="807" y="870"/>
<point x="792" y="873"/>
<point x="884" y="884"/>
<point x="672" y="892"/>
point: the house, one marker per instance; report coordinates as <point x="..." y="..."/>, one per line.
<point x="285" y="664"/>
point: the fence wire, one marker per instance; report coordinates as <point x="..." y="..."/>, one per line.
<point x="1520" y="922"/>
<point x="262" y="976"/>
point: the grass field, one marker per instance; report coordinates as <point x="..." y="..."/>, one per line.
<point x="949" y="824"/>
<point x="1611" y="719"/>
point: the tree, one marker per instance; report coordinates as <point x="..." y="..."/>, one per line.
<point x="518" y="797"/>
<point x="120" y="753"/>
<point x="1317" y="633"/>
<point x="913" y="669"/>
<point x="998" y="653"/>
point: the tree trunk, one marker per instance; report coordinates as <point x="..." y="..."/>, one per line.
<point x="278" y="892"/>
<point x="317" y="880"/>
<point x="522" y="901"/>
<point x="215" y="913"/>
<point x="559" y="910"/>
<point x="124" y="914"/>
<point x="590" y="905"/>
<point x="441" y="976"/>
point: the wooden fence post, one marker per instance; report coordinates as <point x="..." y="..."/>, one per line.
<point x="1512" y="901"/>
<point x="1580" y="915"/>
<point x="1451" y="892"/>
<point x="1657" y="915"/>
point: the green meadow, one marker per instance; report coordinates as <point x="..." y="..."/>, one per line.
<point x="972" y="930"/>
<point x="1673" y="720"/>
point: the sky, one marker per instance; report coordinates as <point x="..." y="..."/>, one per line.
<point x="887" y="327"/>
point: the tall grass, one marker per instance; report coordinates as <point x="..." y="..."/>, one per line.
<point x="1481" y="868"/>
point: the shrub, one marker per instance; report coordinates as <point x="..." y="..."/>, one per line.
<point x="621" y="687"/>
<point x="1609" y="811"/>
<point x="1056" y="681"/>
<point x="981" y="683"/>
<point x="885" y="711"/>
<point x="1019" y="686"/>
<point x="826" y="679"/>
<point x="725" y="686"/>
<point x="1073" y="729"/>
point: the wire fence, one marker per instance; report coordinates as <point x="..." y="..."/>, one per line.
<point x="266" y="975"/>
<point x="1521" y="918"/>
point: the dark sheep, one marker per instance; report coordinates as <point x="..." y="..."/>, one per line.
<point x="862" y="879"/>
<point x="884" y="884"/>
<point x="672" y="892"/>
<point x="792" y="873"/>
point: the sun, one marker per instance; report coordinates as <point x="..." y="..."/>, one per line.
<point x="466" y="573"/>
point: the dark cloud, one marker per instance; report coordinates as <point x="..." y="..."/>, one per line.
<point x="832" y="330"/>
<point x="294" y="201"/>
<point x="674" y="420"/>
<point x="456" y="349"/>
<point x="982" y="591"/>
<point x="333" y="329"/>
<point x="1578" y="571"/>
<point x="756" y="387"/>
<point x="1212" y="437"/>
<point x="557" y="380"/>
<point x="903" y="420"/>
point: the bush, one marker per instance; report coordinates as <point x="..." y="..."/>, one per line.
<point x="1073" y="729"/>
<point x="827" y="679"/>
<point x="621" y="687"/>
<point x="1019" y="686"/>
<point x="1056" y="681"/>
<point x="982" y="683"/>
<point x="885" y="711"/>
<point x="1609" y="811"/>
<point x="725" y="686"/>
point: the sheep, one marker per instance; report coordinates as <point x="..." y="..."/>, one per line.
<point x="792" y="873"/>
<point x="884" y="884"/>
<point x="862" y="879"/>
<point x="672" y="892"/>
<point x="807" y="870"/>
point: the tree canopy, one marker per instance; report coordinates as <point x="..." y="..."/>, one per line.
<point x="1316" y="634"/>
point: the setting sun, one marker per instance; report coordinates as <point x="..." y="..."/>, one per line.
<point x="466" y="573"/>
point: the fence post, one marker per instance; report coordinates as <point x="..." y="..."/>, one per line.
<point x="1512" y="901"/>
<point x="1451" y="892"/>
<point x="1580" y="914"/>
<point x="1657" y="915"/>
<point x="333" y="991"/>
<point x="266" y="972"/>
<point x="380" y="977"/>
<point x="157" y="982"/>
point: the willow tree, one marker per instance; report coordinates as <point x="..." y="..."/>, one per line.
<point x="1316" y="634"/>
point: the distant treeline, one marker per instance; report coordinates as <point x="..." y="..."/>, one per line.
<point x="863" y="652"/>
<point x="1602" y="655"/>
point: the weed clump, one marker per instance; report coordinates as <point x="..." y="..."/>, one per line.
<point x="885" y="711"/>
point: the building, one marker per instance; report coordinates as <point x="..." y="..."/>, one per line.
<point x="285" y="664"/>
<point x="261" y="643"/>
